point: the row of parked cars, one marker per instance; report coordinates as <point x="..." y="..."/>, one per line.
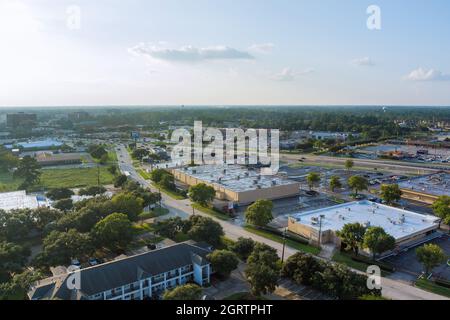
<point x="91" y="262"/>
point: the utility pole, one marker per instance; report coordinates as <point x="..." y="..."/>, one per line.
<point x="284" y="244"/>
<point x="98" y="175"/>
<point x="320" y="229"/>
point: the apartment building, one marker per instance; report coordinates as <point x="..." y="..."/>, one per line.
<point x="140" y="277"/>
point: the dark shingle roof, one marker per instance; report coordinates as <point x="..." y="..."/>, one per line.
<point x="116" y="273"/>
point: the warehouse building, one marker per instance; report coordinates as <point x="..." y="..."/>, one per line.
<point x="238" y="184"/>
<point x="426" y="189"/>
<point x="407" y="227"/>
<point x="50" y="159"/>
<point x="20" y="200"/>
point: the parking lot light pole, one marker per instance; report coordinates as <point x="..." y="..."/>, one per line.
<point x="284" y="245"/>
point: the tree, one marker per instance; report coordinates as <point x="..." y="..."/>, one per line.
<point x="205" y="229"/>
<point x="202" y="194"/>
<point x="92" y="191"/>
<point x="64" y="205"/>
<point x="157" y="174"/>
<point x="378" y="241"/>
<point x="59" y="193"/>
<point x="390" y="193"/>
<point x="18" y="286"/>
<point x="113" y="169"/>
<point x="263" y="269"/>
<point x="335" y="182"/>
<point x="97" y="151"/>
<point x="259" y="213"/>
<point x="358" y="183"/>
<point x="120" y="180"/>
<point x="352" y="235"/>
<point x="29" y="170"/>
<point x="60" y="247"/>
<point x="243" y="247"/>
<point x="441" y="208"/>
<point x="167" y="182"/>
<point x="128" y="204"/>
<point x="430" y="255"/>
<point x="15" y="225"/>
<point x="301" y="268"/>
<point x="104" y="159"/>
<point x="169" y="228"/>
<point x="43" y="216"/>
<point x="139" y="153"/>
<point x="185" y="292"/>
<point x="313" y="179"/>
<point x="223" y="262"/>
<point x="7" y="160"/>
<point x="114" y="232"/>
<point x="12" y="257"/>
<point x="349" y="164"/>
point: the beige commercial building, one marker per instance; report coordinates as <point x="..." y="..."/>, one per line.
<point x="321" y="225"/>
<point x="238" y="184"/>
<point x="426" y="189"/>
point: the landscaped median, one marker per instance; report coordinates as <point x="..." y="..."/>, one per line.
<point x="211" y="211"/>
<point x="290" y="242"/>
<point x="431" y="286"/>
<point x="361" y="263"/>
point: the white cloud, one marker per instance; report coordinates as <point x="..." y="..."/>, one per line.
<point x="422" y="74"/>
<point x="190" y="54"/>
<point x="363" y="62"/>
<point x="288" y="74"/>
<point x="262" y="47"/>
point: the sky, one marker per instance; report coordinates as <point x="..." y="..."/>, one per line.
<point x="224" y="52"/>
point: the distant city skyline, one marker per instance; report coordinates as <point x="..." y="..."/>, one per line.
<point x="218" y="52"/>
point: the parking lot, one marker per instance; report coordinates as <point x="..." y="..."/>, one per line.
<point x="407" y="261"/>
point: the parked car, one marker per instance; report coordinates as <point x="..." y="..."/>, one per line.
<point x="93" y="262"/>
<point x="75" y="262"/>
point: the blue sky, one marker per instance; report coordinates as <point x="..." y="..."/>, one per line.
<point x="218" y="52"/>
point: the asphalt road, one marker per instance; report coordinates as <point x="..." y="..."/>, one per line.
<point x="392" y="165"/>
<point x="393" y="289"/>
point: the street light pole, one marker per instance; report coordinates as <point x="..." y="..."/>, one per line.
<point x="284" y="245"/>
<point x="320" y="229"/>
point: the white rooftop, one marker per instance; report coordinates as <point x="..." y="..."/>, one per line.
<point x="436" y="184"/>
<point x="17" y="200"/>
<point x="234" y="177"/>
<point x="396" y="222"/>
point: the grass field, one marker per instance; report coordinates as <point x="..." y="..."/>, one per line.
<point x="290" y="243"/>
<point x="59" y="178"/>
<point x="433" y="287"/>
<point x="7" y="183"/>
<point x="211" y="211"/>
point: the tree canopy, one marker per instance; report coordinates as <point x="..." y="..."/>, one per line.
<point x="259" y="213"/>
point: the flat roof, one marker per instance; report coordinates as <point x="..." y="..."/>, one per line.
<point x="234" y="177"/>
<point x="398" y="223"/>
<point x="17" y="200"/>
<point x="37" y="144"/>
<point x="435" y="184"/>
